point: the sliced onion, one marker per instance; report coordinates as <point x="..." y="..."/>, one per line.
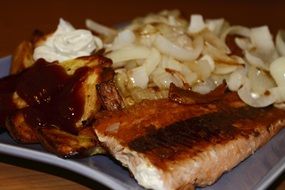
<point x="210" y="61"/>
<point x="236" y="79"/>
<point x="220" y="56"/>
<point x="147" y="40"/>
<point x="204" y="87"/>
<point x="279" y="93"/>
<point x="218" y="79"/>
<point x="139" y="77"/>
<point x="139" y="94"/>
<point x="169" y="48"/>
<point x="215" y="41"/>
<point x="255" y="61"/>
<point x="180" y="70"/>
<point x="152" y="61"/>
<point x="223" y="69"/>
<point x="163" y="79"/>
<point x="277" y="71"/>
<point x="254" y="99"/>
<point x="119" y="57"/>
<point x="183" y="96"/>
<point x="155" y="19"/>
<point x="236" y="30"/>
<point x="187" y="75"/>
<point x="98" y="42"/>
<point x="99" y="28"/>
<point x="121" y="79"/>
<point x="262" y="39"/>
<point x="168" y="62"/>
<point x="196" y="24"/>
<point x="215" y="25"/>
<point x="243" y="43"/>
<point x="280" y="42"/>
<point x="280" y="105"/>
<point x="260" y="80"/>
<point x="124" y="38"/>
<point x="202" y="67"/>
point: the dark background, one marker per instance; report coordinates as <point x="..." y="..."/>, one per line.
<point x="18" y="18"/>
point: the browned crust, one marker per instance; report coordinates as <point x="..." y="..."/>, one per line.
<point x="136" y="120"/>
<point x="19" y="129"/>
<point x="181" y="159"/>
<point x="67" y="145"/>
<point x="22" y="57"/>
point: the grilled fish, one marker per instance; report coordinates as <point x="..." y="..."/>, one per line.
<point x="167" y="145"/>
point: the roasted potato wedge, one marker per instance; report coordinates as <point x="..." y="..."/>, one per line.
<point x="19" y="129"/>
<point x="68" y="145"/>
<point x="23" y="57"/>
<point x="56" y="139"/>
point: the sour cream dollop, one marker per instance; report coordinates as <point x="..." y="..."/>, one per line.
<point x="67" y="43"/>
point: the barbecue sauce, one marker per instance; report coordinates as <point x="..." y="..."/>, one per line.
<point x="53" y="96"/>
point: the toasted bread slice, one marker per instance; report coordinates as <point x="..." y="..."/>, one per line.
<point x="172" y="146"/>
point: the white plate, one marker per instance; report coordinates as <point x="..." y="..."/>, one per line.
<point x="256" y="172"/>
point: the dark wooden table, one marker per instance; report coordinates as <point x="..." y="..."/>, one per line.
<point x="18" y="19"/>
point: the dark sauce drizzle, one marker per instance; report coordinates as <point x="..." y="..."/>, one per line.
<point x="53" y="96"/>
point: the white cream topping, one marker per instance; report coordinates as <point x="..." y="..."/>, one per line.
<point x="67" y="43"/>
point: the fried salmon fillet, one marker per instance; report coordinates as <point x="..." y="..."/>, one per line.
<point x="173" y="146"/>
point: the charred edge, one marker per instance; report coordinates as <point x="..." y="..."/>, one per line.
<point x="213" y="128"/>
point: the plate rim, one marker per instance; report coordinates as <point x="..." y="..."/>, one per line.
<point x="49" y="158"/>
